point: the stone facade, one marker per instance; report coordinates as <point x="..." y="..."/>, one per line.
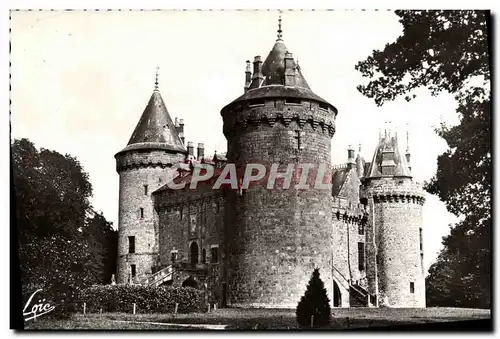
<point x="257" y="246"/>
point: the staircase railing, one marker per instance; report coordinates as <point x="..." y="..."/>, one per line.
<point x="156" y="278"/>
<point x="343" y="280"/>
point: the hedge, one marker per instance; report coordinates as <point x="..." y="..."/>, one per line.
<point x="120" y="298"/>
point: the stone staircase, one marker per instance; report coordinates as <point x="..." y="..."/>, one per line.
<point x="358" y="295"/>
<point x="159" y="277"/>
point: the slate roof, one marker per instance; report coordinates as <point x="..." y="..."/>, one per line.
<point x="339" y="177"/>
<point x="155" y="129"/>
<point x="273" y="85"/>
<point x="388" y="143"/>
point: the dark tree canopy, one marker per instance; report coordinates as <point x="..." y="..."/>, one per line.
<point x="449" y="51"/>
<point x="315" y="303"/>
<point x="63" y="243"/>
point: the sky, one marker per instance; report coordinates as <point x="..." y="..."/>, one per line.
<point x="81" y="80"/>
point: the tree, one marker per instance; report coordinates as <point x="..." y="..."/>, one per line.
<point x="449" y="51"/>
<point x="315" y="303"/>
<point x="63" y="244"/>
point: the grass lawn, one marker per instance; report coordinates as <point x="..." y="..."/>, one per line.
<point x="258" y="319"/>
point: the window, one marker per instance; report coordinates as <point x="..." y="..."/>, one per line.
<point x="361" y="256"/>
<point x="361" y="226"/>
<point x="159" y="180"/>
<point x="181" y="214"/>
<point x="173" y="256"/>
<point x="142" y="213"/>
<point x="131" y="244"/>
<point x="145" y="189"/>
<point x="132" y="270"/>
<point x="412" y="287"/>
<point x="217" y="207"/>
<point x="297" y="136"/>
<point x="204" y="256"/>
<point x="293" y="101"/>
<point x="421" y="239"/>
<point x="214" y="254"/>
<point x="256" y="102"/>
<point x="323" y="106"/>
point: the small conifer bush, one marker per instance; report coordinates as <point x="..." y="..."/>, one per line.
<point x="315" y="303"/>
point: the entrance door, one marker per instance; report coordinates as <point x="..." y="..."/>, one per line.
<point x="194" y="253"/>
<point x="337" y="297"/>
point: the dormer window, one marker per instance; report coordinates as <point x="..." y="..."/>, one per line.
<point x="256" y="102"/>
<point x="293" y="101"/>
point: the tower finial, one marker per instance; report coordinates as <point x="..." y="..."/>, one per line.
<point x="279" y="28"/>
<point x="156" y="78"/>
<point x="407" y="139"/>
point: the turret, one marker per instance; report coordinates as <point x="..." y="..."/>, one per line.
<point x="394" y="255"/>
<point x="153" y="146"/>
<point x="269" y="260"/>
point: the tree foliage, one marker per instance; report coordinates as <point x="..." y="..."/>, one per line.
<point x="63" y="244"/>
<point x="448" y="51"/>
<point x="315" y="303"/>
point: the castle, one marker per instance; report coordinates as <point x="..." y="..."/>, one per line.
<point x="258" y="247"/>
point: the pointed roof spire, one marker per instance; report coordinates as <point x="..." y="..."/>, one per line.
<point x="156" y="78"/>
<point x="280" y="36"/>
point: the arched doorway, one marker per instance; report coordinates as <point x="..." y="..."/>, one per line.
<point x="337" y="297"/>
<point x="193" y="250"/>
<point x="190" y="282"/>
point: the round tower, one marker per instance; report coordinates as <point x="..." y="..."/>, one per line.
<point x="277" y="236"/>
<point x="142" y="165"/>
<point x="395" y="202"/>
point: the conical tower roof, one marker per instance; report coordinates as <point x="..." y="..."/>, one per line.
<point x="387" y="153"/>
<point x="273" y="83"/>
<point x="155" y="129"/>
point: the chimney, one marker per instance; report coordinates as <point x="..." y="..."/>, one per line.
<point x="351" y="161"/>
<point x="248" y="76"/>
<point x="289" y="70"/>
<point x="257" y="71"/>
<point x="200" y="151"/>
<point x="190" y="147"/>
<point x="180" y="130"/>
<point x="176" y="123"/>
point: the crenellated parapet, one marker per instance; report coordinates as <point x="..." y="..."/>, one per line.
<point x="270" y="112"/>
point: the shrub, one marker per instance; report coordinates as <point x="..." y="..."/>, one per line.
<point x="120" y="298"/>
<point x="315" y="303"/>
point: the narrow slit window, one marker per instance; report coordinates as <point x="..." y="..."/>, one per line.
<point x="142" y="213"/>
<point x="214" y="254"/>
<point x="361" y="256"/>
<point x="145" y="189"/>
<point x="412" y="287"/>
<point x="131" y="244"/>
<point x="133" y="270"/>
